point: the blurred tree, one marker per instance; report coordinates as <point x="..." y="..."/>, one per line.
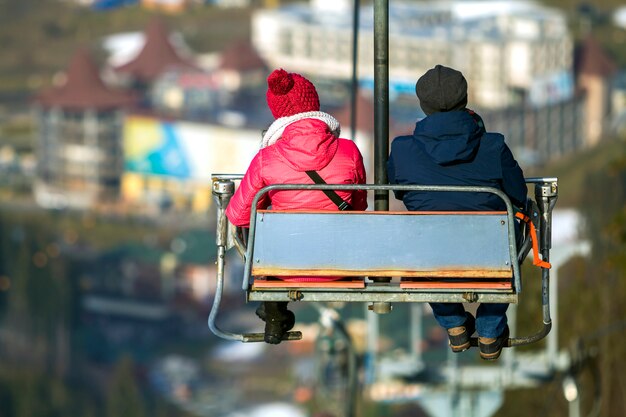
<point x="606" y="224"/>
<point x="124" y="397"/>
<point x="39" y="302"/>
<point x="11" y="10"/>
<point x="592" y="301"/>
<point x="28" y="394"/>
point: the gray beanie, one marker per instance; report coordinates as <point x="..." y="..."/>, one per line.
<point x="441" y="89"/>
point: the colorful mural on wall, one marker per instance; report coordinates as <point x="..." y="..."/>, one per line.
<point x="186" y="150"/>
<point x="168" y="164"/>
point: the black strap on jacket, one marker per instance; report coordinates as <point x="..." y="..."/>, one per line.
<point x="340" y="202"/>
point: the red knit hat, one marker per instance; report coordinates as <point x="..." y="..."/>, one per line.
<point x="290" y="93"/>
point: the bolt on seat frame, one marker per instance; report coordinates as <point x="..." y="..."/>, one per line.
<point x="378" y="291"/>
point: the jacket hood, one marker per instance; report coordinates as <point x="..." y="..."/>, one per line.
<point x="449" y="137"/>
<point x="307" y="144"/>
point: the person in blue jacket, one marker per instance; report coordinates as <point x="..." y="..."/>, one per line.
<point x="450" y="146"/>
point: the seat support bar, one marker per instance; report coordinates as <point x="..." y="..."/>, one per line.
<point x="382" y="296"/>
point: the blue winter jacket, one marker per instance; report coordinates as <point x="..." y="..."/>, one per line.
<point x="452" y="148"/>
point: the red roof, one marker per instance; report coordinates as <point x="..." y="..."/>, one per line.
<point x="241" y="56"/>
<point x="591" y="59"/>
<point x="84" y="89"/>
<point x="157" y="55"/>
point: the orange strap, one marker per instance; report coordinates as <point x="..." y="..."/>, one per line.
<point x="533" y="236"/>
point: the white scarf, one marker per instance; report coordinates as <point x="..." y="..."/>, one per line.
<point x="275" y="131"/>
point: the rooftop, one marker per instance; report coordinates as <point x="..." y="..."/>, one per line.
<point x="84" y="89"/>
<point x="157" y="55"/>
<point x="591" y="59"/>
<point x="241" y="56"/>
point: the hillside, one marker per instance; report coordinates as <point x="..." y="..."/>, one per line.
<point x="39" y="37"/>
<point x="573" y="170"/>
<point x="595" y="17"/>
<point x="592" y="291"/>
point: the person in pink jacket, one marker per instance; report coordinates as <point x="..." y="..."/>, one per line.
<point x="302" y="138"/>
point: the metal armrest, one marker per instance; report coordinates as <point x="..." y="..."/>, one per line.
<point x="240" y="240"/>
<point x="532" y="210"/>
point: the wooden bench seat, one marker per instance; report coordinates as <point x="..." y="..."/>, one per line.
<point x="404" y="283"/>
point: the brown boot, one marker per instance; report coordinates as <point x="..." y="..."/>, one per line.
<point x="459" y="337"/>
<point x="491" y="347"/>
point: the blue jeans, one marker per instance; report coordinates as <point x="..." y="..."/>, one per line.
<point x="490" y="318"/>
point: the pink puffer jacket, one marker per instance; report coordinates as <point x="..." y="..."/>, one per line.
<point x="305" y="145"/>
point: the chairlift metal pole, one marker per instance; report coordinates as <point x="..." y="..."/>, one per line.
<point x="355" y="63"/>
<point x="546" y="195"/>
<point x="223" y="189"/>
<point x="381" y="101"/>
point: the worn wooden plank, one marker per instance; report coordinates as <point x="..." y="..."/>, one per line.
<point x="452" y="273"/>
<point x="469" y="285"/>
<point x="278" y="283"/>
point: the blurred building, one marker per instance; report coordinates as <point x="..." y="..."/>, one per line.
<point x="618" y="104"/>
<point x="175" y="83"/>
<point x="103" y="4"/>
<point x="241" y="67"/>
<point x="506" y="49"/>
<point x="157" y="56"/>
<point x="169" y="6"/>
<point x="188" y="94"/>
<point x="151" y="143"/>
<point x="594" y="72"/>
<point x="237" y="75"/>
<point x="195" y="117"/>
<point x="79" y="147"/>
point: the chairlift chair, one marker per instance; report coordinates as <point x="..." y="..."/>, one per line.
<point x="386" y="257"/>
